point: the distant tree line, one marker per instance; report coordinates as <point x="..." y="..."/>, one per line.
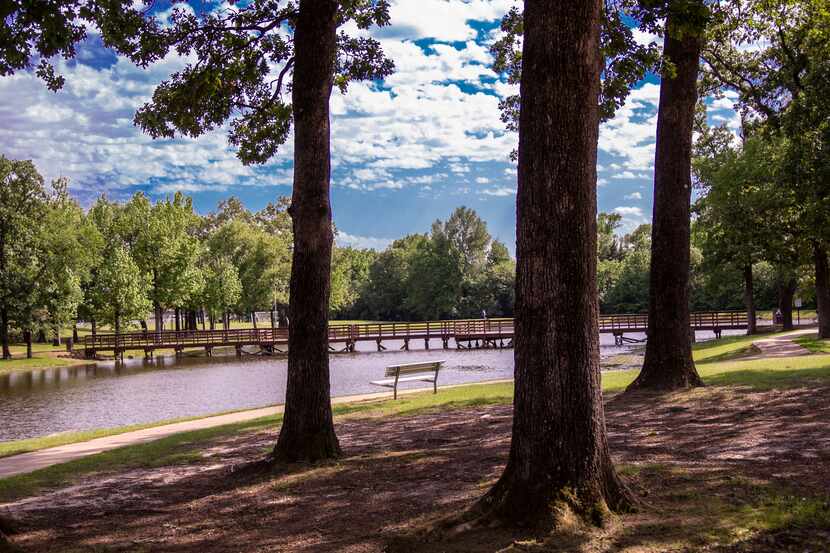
<point x="116" y="263"/>
<point x="120" y="264"/>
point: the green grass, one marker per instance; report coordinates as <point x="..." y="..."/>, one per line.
<point x="693" y="511"/>
<point x="813" y="343"/>
<point x="185" y="447"/>
<point x="725" y="348"/>
<point x="37" y="362"/>
<point x="759" y="374"/>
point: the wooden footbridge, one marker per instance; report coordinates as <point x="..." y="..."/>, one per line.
<point x="467" y="334"/>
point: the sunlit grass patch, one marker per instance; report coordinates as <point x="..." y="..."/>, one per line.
<point x="813" y="343"/>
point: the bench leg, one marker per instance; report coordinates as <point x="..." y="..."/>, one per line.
<point x="395" y="392"/>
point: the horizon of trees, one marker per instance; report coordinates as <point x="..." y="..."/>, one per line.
<point x="118" y="264"/>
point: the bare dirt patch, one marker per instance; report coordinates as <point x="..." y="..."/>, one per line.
<point x="698" y="459"/>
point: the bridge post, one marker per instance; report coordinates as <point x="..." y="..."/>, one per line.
<point x="446" y="340"/>
<point x="426" y="343"/>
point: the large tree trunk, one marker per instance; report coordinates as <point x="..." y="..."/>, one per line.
<point x="749" y="299"/>
<point x="786" y="290"/>
<point x="668" y="360"/>
<point x="307" y="432"/>
<point x="822" y="290"/>
<point x="4" y="332"/>
<point x="559" y="461"/>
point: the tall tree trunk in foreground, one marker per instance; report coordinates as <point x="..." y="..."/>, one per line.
<point x="749" y="299"/>
<point x="668" y="360"/>
<point x="786" y="291"/>
<point x="559" y="461"/>
<point x="307" y="432"/>
<point x="822" y="290"/>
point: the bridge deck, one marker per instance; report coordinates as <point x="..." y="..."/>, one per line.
<point x="490" y="332"/>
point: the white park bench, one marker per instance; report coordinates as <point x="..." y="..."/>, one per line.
<point x="410" y="372"/>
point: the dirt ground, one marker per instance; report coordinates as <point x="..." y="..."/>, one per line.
<point x="699" y="461"/>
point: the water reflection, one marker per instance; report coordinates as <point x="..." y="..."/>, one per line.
<point x="108" y="394"/>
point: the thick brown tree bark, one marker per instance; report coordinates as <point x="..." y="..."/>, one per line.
<point x="786" y="290"/>
<point x="822" y="290"/>
<point x="749" y="299"/>
<point x="559" y="461"/>
<point x="307" y="432"/>
<point x="668" y="360"/>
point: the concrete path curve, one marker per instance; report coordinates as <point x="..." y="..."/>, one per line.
<point x="782" y="345"/>
<point x="35" y="460"/>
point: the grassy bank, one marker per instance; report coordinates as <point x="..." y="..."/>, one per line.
<point x="760" y="374"/>
<point x="813" y="343"/>
<point x="718" y="362"/>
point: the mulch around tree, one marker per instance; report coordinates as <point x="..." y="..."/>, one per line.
<point x="713" y="446"/>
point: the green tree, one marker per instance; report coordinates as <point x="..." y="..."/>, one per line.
<point x="782" y="80"/>
<point x="121" y="289"/>
<point x="609" y="246"/>
<point x="349" y="279"/>
<point x="742" y="211"/>
<point x="70" y="248"/>
<point x="23" y="204"/>
<point x="385" y="296"/>
<point x="249" y="60"/>
<point x="222" y="290"/>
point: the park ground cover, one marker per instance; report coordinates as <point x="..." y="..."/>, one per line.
<point x="730" y="467"/>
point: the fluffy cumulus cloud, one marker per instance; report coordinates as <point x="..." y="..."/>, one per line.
<point x="362" y="242"/>
<point x="430" y="129"/>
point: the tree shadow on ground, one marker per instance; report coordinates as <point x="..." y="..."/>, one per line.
<point x="710" y="465"/>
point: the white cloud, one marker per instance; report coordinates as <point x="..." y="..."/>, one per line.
<point x="499" y="191"/>
<point x="631" y="217"/>
<point x="362" y="242"/>
<point x="633" y="196"/>
<point x="443" y="20"/>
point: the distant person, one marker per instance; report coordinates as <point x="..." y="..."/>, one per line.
<point x="777" y="316"/>
<point x="484" y="314"/>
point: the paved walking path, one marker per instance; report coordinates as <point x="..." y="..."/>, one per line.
<point x="35" y="460"/>
<point x="782" y="345"/>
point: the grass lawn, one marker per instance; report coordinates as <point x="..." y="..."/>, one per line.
<point x="760" y="374"/>
<point x="37" y="362"/>
<point x="813" y="343"/>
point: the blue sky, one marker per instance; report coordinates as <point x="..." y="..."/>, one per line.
<point x="404" y="152"/>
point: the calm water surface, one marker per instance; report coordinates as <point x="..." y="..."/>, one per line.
<point x="106" y="394"/>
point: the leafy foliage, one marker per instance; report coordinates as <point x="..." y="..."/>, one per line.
<point x="625" y="61"/>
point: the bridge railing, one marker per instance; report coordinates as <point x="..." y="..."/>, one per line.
<point x="173" y="338"/>
<point x="490" y="328"/>
<point x="719" y="319"/>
